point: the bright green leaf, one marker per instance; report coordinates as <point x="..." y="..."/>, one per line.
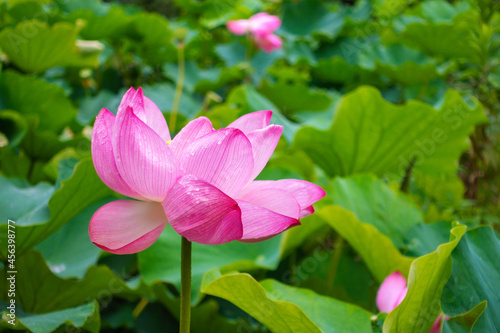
<point x="288" y="309"/>
<point x="370" y="134"/>
<point x="376" y="249"/>
<point x="31" y="96"/>
<point x="375" y="203"/>
<point x="85" y="316"/>
<point x="427" y="278"/>
<point x="162" y="261"/>
<point x="475" y="278"/>
<point x="34" y="46"/>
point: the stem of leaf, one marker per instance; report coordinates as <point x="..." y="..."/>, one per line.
<point x="185" y="320"/>
<point x="179" y="86"/>
<point x="338" y="247"/>
<point x="405" y="184"/>
<point x="248" y="58"/>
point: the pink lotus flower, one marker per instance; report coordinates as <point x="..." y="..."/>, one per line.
<point x="261" y="27"/>
<point x="201" y="182"/>
<point x="392" y="292"/>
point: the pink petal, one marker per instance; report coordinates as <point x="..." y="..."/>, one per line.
<point x="252" y="121"/>
<point x="155" y="118"/>
<point x="202" y="213"/>
<point x="142" y="157"/>
<point x="239" y="27"/>
<point x="103" y="157"/>
<point x="436" y="327"/>
<point x="264" y="142"/>
<point x="128" y="99"/>
<point x="276" y="200"/>
<point x="192" y="131"/>
<point x="263" y="24"/>
<point x="146" y="110"/>
<point x="305" y="193"/>
<point x="269" y="42"/>
<point x="127" y="226"/>
<point x="391" y="292"/>
<point x="306" y="211"/>
<point x="267" y="212"/>
<point x="222" y="158"/>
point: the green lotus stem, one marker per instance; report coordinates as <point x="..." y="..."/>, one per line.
<point x="178" y="87"/>
<point x="185" y="320"/>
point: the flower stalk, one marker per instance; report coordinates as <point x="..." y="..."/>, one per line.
<point x="179" y="86"/>
<point x="185" y="320"/>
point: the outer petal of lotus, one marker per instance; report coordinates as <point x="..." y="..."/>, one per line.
<point x="222" y="158"/>
<point x="202" y="213"/>
<point x="264" y="142"/>
<point x="391" y="292"/>
<point x="266" y="213"/>
<point x="239" y="27"/>
<point x="155" y="119"/>
<point x="142" y="157"/>
<point x="193" y="130"/>
<point x="305" y="193"/>
<point x="104" y="158"/>
<point x="126" y="226"/>
<point x="264" y="24"/>
<point x="252" y="121"/>
<point x="269" y="42"/>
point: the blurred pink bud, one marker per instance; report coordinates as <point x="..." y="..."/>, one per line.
<point x="392" y="292"/>
<point x="261" y="26"/>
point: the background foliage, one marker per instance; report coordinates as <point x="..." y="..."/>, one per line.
<point x="390" y="105"/>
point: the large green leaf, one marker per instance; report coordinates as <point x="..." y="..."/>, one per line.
<point x="85" y="316"/>
<point x="424" y="238"/>
<point x="401" y="64"/>
<point x="251" y="100"/>
<point x="475" y="278"/>
<point x="162" y="261"/>
<point x="370" y="134"/>
<point x="311" y="17"/>
<point x="99" y="25"/>
<point x="25" y="203"/>
<point x="68" y="251"/>
<point x="376" y="249"/>
<point x="298" y="97"/>
<point x="31" y="96"/>
<point x="375" y="203"/>
<point x="76" y="193"/>
<point x="34" y="46"/>
<point x="284" y="308"/>
<point x="427" y="278"/>
<point x="12" y="128"/>
<point x="38" y="290"/>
